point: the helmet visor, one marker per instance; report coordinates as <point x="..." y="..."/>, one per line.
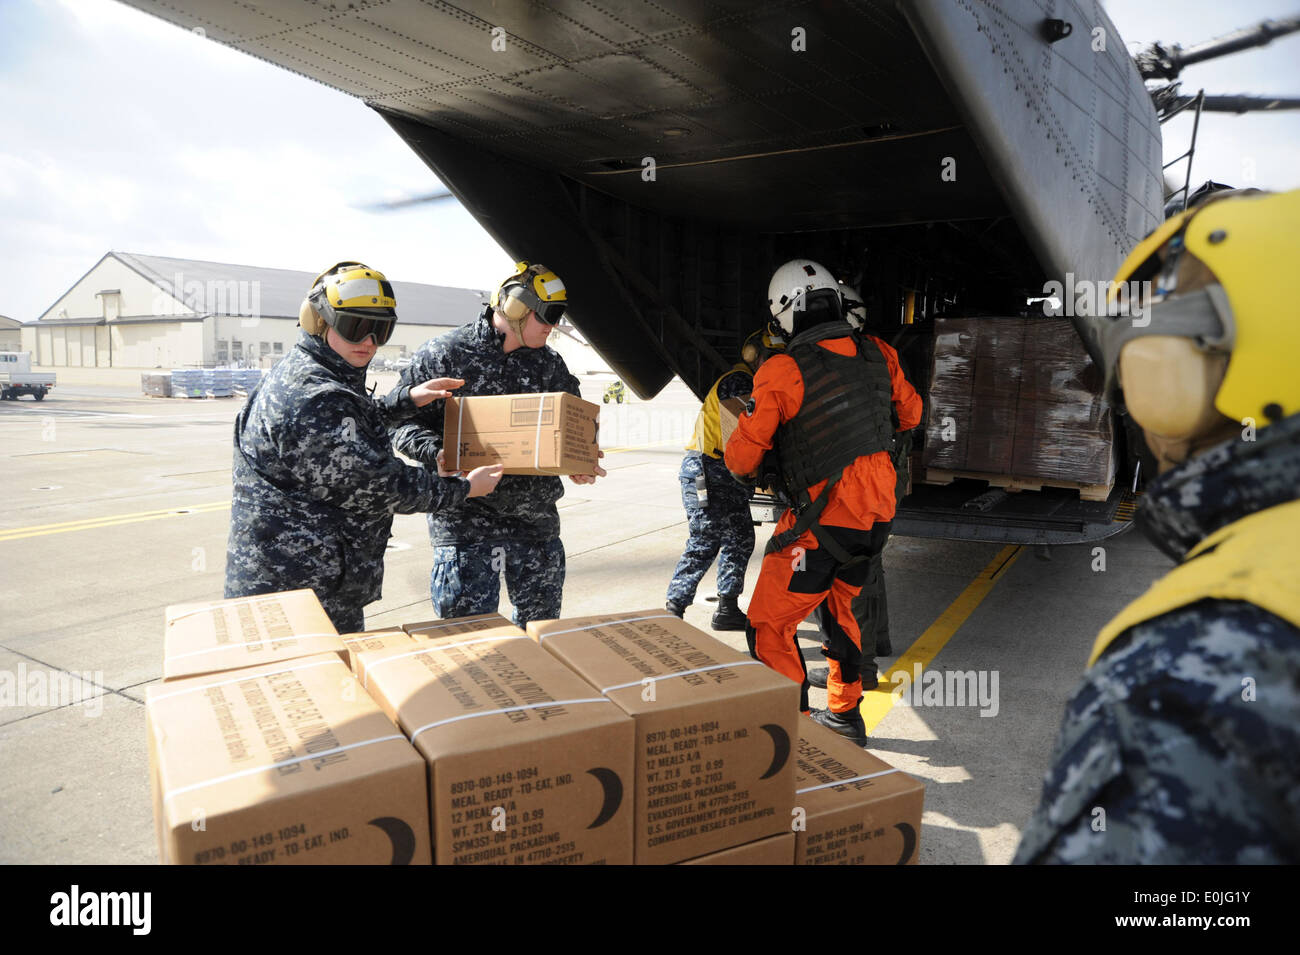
<point x="356" y="328"/>
<point x="550" y="313"/>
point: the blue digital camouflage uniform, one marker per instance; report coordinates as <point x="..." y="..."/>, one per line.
<point x="516" y="528"/>
<point x="316" y="484"/>
<point x="723" y="528"/>
<point x="1183" y="763"/>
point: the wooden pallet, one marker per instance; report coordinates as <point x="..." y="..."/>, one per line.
<point x="1012" y="484"/>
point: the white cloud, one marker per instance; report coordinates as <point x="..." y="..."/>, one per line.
<point x="133" y="135"/>
<point x="126" y="132"/>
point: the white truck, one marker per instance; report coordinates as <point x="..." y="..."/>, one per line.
<point x="18" y="379"/>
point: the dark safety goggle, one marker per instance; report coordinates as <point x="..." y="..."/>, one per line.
<point x="357" y="328"/>
<point x="550" y="313"/>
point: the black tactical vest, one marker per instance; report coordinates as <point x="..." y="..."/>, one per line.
<point x="846" y="410"/>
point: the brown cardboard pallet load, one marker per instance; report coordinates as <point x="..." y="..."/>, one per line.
<point x="1087" y="492"/>
<point x="1018" y="403"/>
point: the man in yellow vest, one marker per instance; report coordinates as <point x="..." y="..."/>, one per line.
<point x="1180" y="746"/>
<point x="717" y="505"/>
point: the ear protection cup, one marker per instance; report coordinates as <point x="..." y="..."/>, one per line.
<point x="749" y="354"/>
<point x="310" y="319"/>
<point x="512" y="307"/>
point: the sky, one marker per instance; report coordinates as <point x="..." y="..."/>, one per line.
<point x="126" y="133"/>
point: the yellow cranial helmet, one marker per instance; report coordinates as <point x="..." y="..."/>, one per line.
<point x="760" y="345"/>
<point x="353" y="299"/>
<point x="532" y="288"/>
<point x="1219" y="336"/>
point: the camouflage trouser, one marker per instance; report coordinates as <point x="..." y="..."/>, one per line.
<point x="466" y="578"/>
<point x="722" y="529"/>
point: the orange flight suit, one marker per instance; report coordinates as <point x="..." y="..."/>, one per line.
<point x="797" y="578"/>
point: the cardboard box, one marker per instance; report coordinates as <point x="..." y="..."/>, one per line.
<point x="990" y="451"/>
<point x="857" y="809"/>
<point x="714" y="729"/>
<point x="527" y="763"/>
<point x="399" y="644"/>
<point x="245" y="631"/>
<point x="729" y="412"/>
<point x="774" y="850"/>
<point x="364" y="646"/>
<point x="551" y="433"/>
<point x="282" y="763"/>
<point x="430" y="629"/>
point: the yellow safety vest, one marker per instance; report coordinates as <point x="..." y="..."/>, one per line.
<point x="1251" y="560"/>
<point x="708" y="426"/>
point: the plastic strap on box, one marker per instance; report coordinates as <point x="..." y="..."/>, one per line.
<point x="295" y="666"/>
<point x="456" y="622"/>
<point x="537" y="439"/>
<point x="257" y="598"/>
<point x="606" y="623"/>
<point x="440" y="646"/>
<point x="245" y="643"/>
<point x="508" y="709"/>
<point x="460" y="435"/>
<point x="169" y="793"/>
<point x="841" y="782"/>
<point x="669" y="676"/>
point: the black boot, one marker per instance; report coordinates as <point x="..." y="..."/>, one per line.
<point x="728" y="616"/>
<point x="675" y="610"/>
<point x="848" y="724"/>
<point x="818" y="677"/>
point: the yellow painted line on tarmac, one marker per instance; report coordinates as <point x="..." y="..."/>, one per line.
<point x="40" y="530"/>
<point x="877" y="703"/>
<point x="639" y="447"/>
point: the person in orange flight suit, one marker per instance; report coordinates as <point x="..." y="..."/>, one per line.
<point x="823" y="409"/>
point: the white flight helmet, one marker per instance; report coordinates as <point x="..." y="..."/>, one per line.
<point x="799" y="286"/>
<point x="855" y="309"/>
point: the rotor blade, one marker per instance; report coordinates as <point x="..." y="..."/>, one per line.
<point x="1165" y="62"/>
<point x="1242" y="104"/>
<point x="390" y="205"/>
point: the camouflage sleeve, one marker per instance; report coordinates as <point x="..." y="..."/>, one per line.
<point x="564" y="380"/>
<point x="735" y="384"/>
<point x="397" y="406"/>
<point x="419" y="435"/>
<point x="347" y="462"/>
<point x="1178" y="748"/>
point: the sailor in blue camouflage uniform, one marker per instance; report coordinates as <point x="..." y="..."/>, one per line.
<point x="517" y="529"/>
<point x="316" y="482"/>
<point x="718" y="522"/>
<point x="1180" y="746"/>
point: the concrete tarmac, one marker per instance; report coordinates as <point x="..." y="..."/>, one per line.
<point x="114" y="505"/>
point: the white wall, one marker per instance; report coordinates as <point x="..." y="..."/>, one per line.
<point x="139" y="295"/>
<point x="152" y="345"/>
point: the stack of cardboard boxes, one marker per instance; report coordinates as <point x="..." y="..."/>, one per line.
<point x="1018" y="397"/>
<point x="619" y="739"/>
